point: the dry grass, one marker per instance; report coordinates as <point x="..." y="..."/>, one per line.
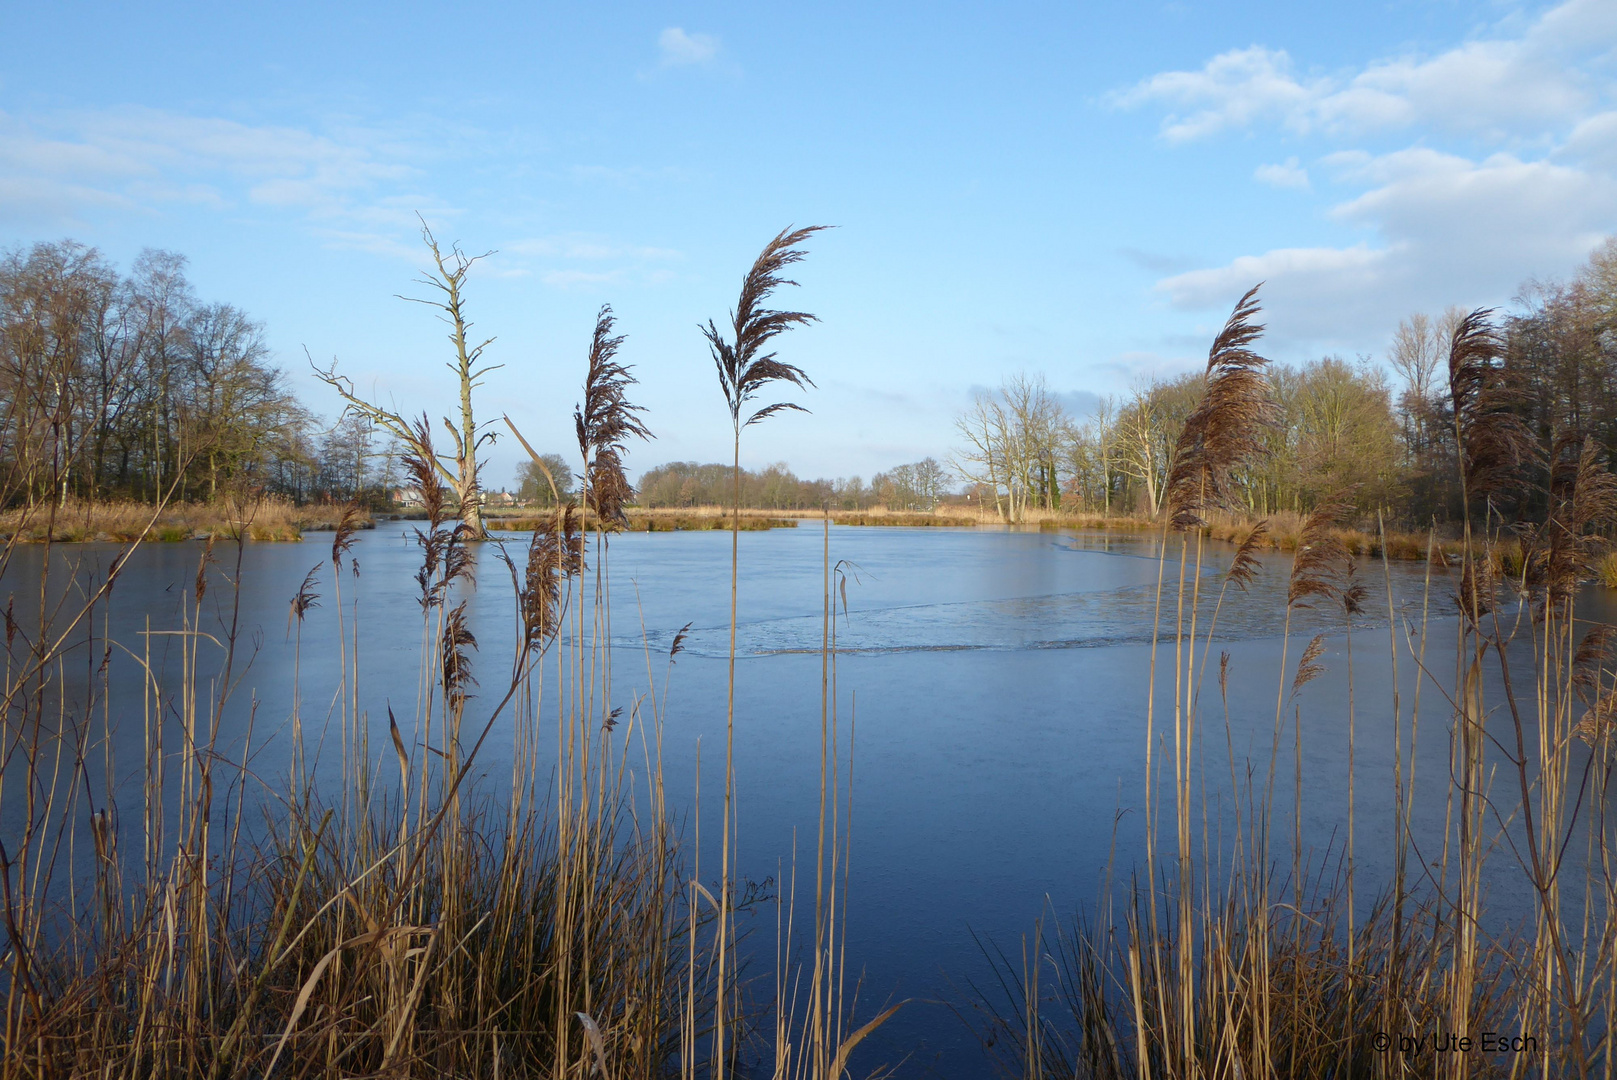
<point x="701" y="519"/>
<point x="125" y="522"/>
<point x="903" y="518"/>
<point x="393" y="921"/>
<point x="1221" y="962"/>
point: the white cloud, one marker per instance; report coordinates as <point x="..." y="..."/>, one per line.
<point x="1448" y="230"/>
<point x="1500" y="87"/>
<point x="1233" y="89"/>
<point x="1292" y="270"/>
<point x="146" y="157"/>
<point x="1593" y="142"/>
<point x="1287" y="175"/>
<point x="680" y="49"/>
<point x="1437" y="225"/>
<point x="581" y="259"/>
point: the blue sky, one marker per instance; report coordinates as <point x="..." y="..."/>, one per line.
<point x="1077" y="189"/>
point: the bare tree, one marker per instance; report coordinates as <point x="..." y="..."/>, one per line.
<point x="1012" y="440"/>
<point x="1103" y="424"/>
<point x="1140" y="454"/>
<point x="1417" y="349"/>
<point x="931" y="479"/>
<point x="448" y="277"/>
<point x="980" y="460"/>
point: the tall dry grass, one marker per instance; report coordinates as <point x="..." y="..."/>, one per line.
<point x="1252" y="960"/>
<point x="387" y="920"/>
<point x="745" y="370"/>
<point x="370" y="910"/>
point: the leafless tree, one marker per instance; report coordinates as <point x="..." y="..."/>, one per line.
<point x="447" y="277"/>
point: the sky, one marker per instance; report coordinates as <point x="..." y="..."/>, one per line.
<point x="1080" y="190"/>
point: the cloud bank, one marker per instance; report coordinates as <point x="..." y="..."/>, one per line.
<point x="1507" y="169"/>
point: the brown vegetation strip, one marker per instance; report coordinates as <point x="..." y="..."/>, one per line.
<point x="124" y="522"/>
<point x="912" y="520"/>
<point x="654" y="522"/>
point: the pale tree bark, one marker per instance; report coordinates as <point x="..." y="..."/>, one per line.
<point x="980" y="460"/>
<point x="1138" y="444"/>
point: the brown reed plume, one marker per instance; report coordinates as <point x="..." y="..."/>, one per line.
<point x="1494" y="443"/>
<point x="1583" y="503"/>
<point x="457" y="638"/>
<point x="1308" y="666"/>
<point x="201" y="586"/>
<point x="554" y="553"/>
<point x="1225" y="432"/>
<point x="1319" y="568"/>
<point x="305" y="599"/>
<point x="745" y="369"/>
<point x="347" y="525"/>
<point x="603" y="422"/>
<point x="419" y="461"/>
<point x="1245" y="566"/>
<point x="441" y="548"/>
<point x="1592" y="668"/>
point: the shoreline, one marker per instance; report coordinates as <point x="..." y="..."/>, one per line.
<point x="127" y="522"/>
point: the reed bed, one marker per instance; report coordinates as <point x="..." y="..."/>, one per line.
<point x="656" y="521"/>
<point x="902" y="518"/>
<point x="367" y="908"/>
<point x="391" y="920"/>
<point x="1234" y="953"/>
<point x="1282" y="531"/>
<point x="78" y="521"/>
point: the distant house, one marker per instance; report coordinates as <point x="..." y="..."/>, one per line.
<point x="498" y="498"/>
<point x="409" y="497"/>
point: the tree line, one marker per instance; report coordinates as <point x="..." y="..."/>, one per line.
<point x="916" y="486"/>
<point x="1385" y="439"/>
<point x="130" y="386"/>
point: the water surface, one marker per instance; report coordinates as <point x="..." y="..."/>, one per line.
<point x="997" y="680"/>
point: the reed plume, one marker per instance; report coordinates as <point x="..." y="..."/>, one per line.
<point x="1225" y="431"/>
<point x="1594" y="652"/>
<point x="444" y="558"/>
<point x="420" y="465"/>
<point x="1494" y="443"/>
<point x="457" y="665"/>
<point x="1308" y="666"/>
<point x="1319" y="568"/>
<point x="603" y="422"/>
<point x="743" y="366"/>
<point x="305" y="599"/>
<point x="555" y="552"/>
<point x="745" y="369"/>
<point x="201" y="586"/>
<point x="347" y="525"/>
<point x="1245" y="566"/>
<point x="1583" y="503"/>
